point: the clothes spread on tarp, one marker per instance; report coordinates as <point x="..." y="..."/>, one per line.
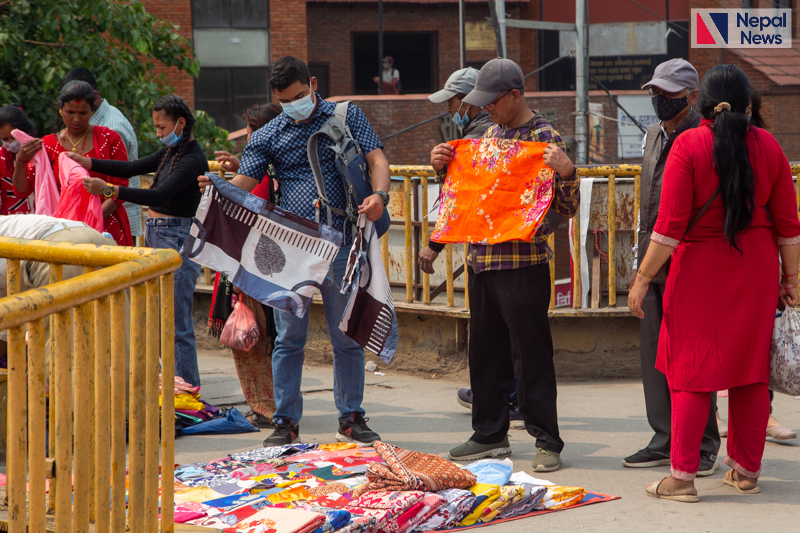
<point x="300" y="489"/>
<point x="274" y="256"/>
<point x="497" y="190"/>
<point x="369" y="317"/>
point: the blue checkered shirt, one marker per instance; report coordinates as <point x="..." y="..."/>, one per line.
<point x="112" y="118"/>
<point x="282" y="142"/>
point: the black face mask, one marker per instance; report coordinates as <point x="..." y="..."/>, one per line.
<point x="668" y="108"/>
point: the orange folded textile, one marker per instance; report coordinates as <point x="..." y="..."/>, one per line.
<point x="496" y="190"/>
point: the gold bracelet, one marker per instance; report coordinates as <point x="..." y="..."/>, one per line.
<point x="645" y="275"/>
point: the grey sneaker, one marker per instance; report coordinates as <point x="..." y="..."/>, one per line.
<point x="464" y="398"/>
<point x="472" y="451"/>
<point x="708" y="465"/>
<point x="546" y="461"/>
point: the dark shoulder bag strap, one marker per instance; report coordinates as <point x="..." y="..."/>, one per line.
<point x="701" y="212"/>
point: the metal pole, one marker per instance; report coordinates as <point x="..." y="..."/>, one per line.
<point x="380" y="46"/>
<point x="581" y="93"/>
<point x="501" y="21"/>
<point x="462" y="34"/>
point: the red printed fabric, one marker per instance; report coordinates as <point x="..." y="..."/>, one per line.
<point x="407" y="470"/>
<point x="107" y="144"/>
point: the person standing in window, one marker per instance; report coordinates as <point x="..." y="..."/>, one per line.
<point x="389" y="82"/>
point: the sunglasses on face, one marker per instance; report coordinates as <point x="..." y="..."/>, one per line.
<point x="656" y="91"/>
<point x="491" y="104"/>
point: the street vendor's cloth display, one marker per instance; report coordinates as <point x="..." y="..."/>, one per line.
<point x="276" y="257"/>
<point x="369" y="317"/>
<point x="300" y="489"/>
<point x="496" y="190"/>
<point x="407" y="470"/>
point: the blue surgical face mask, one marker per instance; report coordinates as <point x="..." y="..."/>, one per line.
<point x="171" y="139"/>
<point x="300" y="109"/>
<point x="461" y="120"/>
<point x="12" y="147"/>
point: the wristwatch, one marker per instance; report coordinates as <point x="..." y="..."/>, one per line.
<point x="108" y="191"/>
<point x="384" y="196"/>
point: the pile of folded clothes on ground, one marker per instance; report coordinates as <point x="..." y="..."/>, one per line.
<point x="310" y="488"/>
<point x="193" y="416"/>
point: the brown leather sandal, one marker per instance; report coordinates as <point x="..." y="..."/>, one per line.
<point x="652" y="491"/>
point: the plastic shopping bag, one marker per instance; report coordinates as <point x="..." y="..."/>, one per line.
<point x="784" y="360"/>
<point x="76" y="202"/>
<point x="240" y="331"/>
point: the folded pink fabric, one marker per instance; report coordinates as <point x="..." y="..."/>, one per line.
<point x="46" y="194"/>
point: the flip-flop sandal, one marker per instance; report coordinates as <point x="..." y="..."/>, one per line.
<point x="652" y="491"/>
<point x="728" y="480"/>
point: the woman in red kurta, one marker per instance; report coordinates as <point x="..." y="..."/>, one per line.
<point x="723" y="283"/>
<point x="76" y="103"/>
<point x="12" y="200"/>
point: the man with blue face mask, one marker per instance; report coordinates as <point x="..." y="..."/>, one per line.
<point x="472" y="120"/>
<point x="283" y="143"/>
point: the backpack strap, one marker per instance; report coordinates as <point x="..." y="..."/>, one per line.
<point x="333" y="129"/>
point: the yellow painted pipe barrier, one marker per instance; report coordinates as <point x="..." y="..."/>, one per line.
<point x="119" y="417"/>
<point x="168" y="409"/>
<point x="576" y="262"/>
<point x="448" y="254"/>
<point x="152" y="445"/>
<point x="63" y="391"/>
<point x="136" y="416"/>
<point x="612" y="241"/>
<point x="37" y="413"/>
<point x="56" y="275"/>
<point x="426" y="278"/>
<point x="409" y="234"/>
<point x="466" y="277"/>
<point x="551" y="242"/>
<point x="637" y="203"/>
<point x="102" y="421"/>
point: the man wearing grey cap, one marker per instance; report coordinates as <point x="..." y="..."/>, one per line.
<point x="509" y="289"/>
<point x="473" y="122"/>
<point x="673" y="90"/>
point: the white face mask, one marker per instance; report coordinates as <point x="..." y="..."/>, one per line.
<point x="12" y="147"/>
<point x="300" y="109"/>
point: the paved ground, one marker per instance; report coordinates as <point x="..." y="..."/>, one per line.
<point x="601" y="422"/>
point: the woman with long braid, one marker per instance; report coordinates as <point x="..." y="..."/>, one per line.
<point x="172" y="200"/>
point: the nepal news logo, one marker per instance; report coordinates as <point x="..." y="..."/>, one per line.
<point x="741" y="28"/>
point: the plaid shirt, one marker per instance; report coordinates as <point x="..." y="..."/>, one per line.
<point x="566" y="201"/>
<point x="112" y="118"/>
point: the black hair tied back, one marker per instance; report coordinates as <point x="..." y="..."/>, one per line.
<point x="728" y="84"/>
<point x="174" y="107"/>
<point x="14" y="115"/>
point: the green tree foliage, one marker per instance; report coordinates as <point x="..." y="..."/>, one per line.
<point x="41" y="40"/>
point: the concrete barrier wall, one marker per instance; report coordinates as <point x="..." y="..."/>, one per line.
<point x="585" y="348"/>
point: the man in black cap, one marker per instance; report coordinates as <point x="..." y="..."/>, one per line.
<point x="509" y="289"/>
<point x="673" y="90"/>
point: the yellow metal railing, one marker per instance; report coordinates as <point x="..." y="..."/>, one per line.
<point x="87" y="412"/>
<point x="415" y="182"/>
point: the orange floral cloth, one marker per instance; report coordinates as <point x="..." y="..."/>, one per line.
<point x="496" y="190"/>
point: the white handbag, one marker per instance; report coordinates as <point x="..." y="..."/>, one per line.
<point x="784" y="357"/>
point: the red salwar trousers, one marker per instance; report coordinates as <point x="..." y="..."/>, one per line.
<point x="748" y="413"/>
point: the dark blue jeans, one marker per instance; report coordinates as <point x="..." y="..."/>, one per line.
<point x="171" y="232"/>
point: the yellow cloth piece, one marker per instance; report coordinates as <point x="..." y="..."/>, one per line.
<point x="290" y="495"/>
<point x="186" y="401"/>
<point x="197" y="495"/>
<point x="337" y="446"/>
<point x="485" y="494"/>
<point x="509" y="495"/>
<point x="561" y="497"/>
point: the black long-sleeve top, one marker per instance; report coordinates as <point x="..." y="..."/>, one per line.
<point x="175" y="193"/>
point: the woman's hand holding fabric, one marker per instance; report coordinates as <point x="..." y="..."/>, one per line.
<point x="636" y="296"/>
<point x="787" y="296"/>
<point x="83" y="161"/>
<point x="28" y="150"/>
<point x="94" y="185"/>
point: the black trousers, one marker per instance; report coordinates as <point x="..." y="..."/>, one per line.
<point x="657" y="399"/>
<point x="510" y="333"/>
